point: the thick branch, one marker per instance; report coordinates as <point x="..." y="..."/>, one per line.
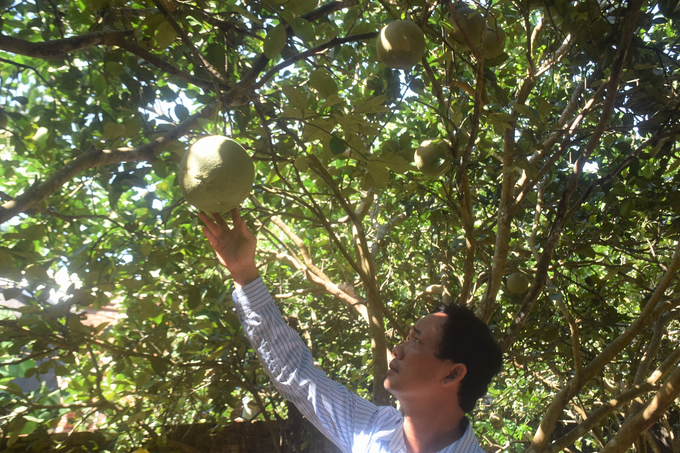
<point x="96" y="158"/>
<point x="476" y="51"/>
<point x="505" y="210"/>
<point x="567" y="131"/>
<point x="339" y="291"/>
<point x="575" y="342"/>
<point x="653" y="346"/>
<point x="463" y="186"/>
<point x="59" y="48"/>
<point x="548" y="423"/>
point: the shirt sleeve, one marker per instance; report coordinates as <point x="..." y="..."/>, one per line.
<point x="338" y="413"/>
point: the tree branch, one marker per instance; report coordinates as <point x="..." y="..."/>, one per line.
<point x="463" y="181"/>
<point x="506" y="210"/>
<point x="59" y="48"/>
<point x="158" y="62"/>
<point x="308" y="53"/>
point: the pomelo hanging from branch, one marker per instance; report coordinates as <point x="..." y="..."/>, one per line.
<point x="216" y="174"/>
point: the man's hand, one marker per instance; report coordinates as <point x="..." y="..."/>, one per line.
<point x="235" y="247"/>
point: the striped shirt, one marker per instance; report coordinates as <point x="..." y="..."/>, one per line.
<point x="349" y="421"/>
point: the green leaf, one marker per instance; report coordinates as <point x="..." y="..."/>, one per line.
<point x="295" y="96"/>
<point x="14" y="429"/>
<point x="299" y="7"/>
<point x="586" y="251"/>
<point x="396" y="163"/>
<point x="159" y="365"/>
<point x="317" y="129"/>
<point x="181" y="112"/>
<point x="303" y="29"/>
<point x="165" y="35"/>
<point x="6" y="265"/>
<point x="114" y="130"/>
<point x="324" y="83"/>
<point x="142" y="379"/>
<point x="337" y="146"/>
<point x="193" y="298"/>
<point x="373" y="105"/>
<point x="379" y="173"/>
<point x="302" y="164"/>
<point x="99" y="84"/>
<point x="525" y="110"/>
<point x="11" y="293"/>
<point x="147" y="308"/>
<point x="275" y="41"/>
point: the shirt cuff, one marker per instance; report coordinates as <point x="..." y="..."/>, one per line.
<point x="252" y="296"/>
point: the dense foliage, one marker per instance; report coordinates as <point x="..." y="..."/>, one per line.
<point x="564" y="167"/>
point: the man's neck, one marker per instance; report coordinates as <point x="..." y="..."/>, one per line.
<point x="430" y="431"/>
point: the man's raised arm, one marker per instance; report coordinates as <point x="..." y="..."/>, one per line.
<point x="339" y="414"/>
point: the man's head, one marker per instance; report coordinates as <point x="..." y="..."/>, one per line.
<point x="467" y="340"/>
<point x="416" y="373"/>
<point x="447" y="352"/>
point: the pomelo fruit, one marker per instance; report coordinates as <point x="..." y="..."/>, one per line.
<point x="400" y="44"/>
<point x="496" y="421"/>
<point x="472" y="22"/>
<point x="432" y="157"/>
<point x="494" y="42"/>
<point x="518" y="282"/>
<point x="216" y="174"/>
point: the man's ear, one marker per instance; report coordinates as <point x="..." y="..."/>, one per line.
<point x="456" y="374"/>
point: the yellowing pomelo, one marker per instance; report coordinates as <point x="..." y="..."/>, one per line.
<point x="400" y="44"/>
<point x="216" y="174"/>
<point x="432" y="157"/>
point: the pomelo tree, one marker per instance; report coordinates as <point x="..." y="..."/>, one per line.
<point x="563" y="167"/>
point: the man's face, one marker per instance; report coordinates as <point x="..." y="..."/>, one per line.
<point x="415" y="370"/>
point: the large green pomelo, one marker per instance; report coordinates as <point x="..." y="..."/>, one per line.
<point x="400" y="44"/>
<point x="518" y="282"/>
<point x="216" y="174"/>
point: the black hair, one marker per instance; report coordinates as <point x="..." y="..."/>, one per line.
<point x="468" y="340"/>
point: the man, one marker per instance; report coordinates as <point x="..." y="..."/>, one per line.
<point x="437" y="373"/>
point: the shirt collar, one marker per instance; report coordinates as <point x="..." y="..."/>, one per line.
<point x="466" y="443"/>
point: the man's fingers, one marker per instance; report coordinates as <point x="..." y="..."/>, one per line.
<point x="212" y="226"/>
<point x="235" y="217"/>
<point x="219" y="220"/>
<point x="244" y="229"/>
<point x="208" y="234"/>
